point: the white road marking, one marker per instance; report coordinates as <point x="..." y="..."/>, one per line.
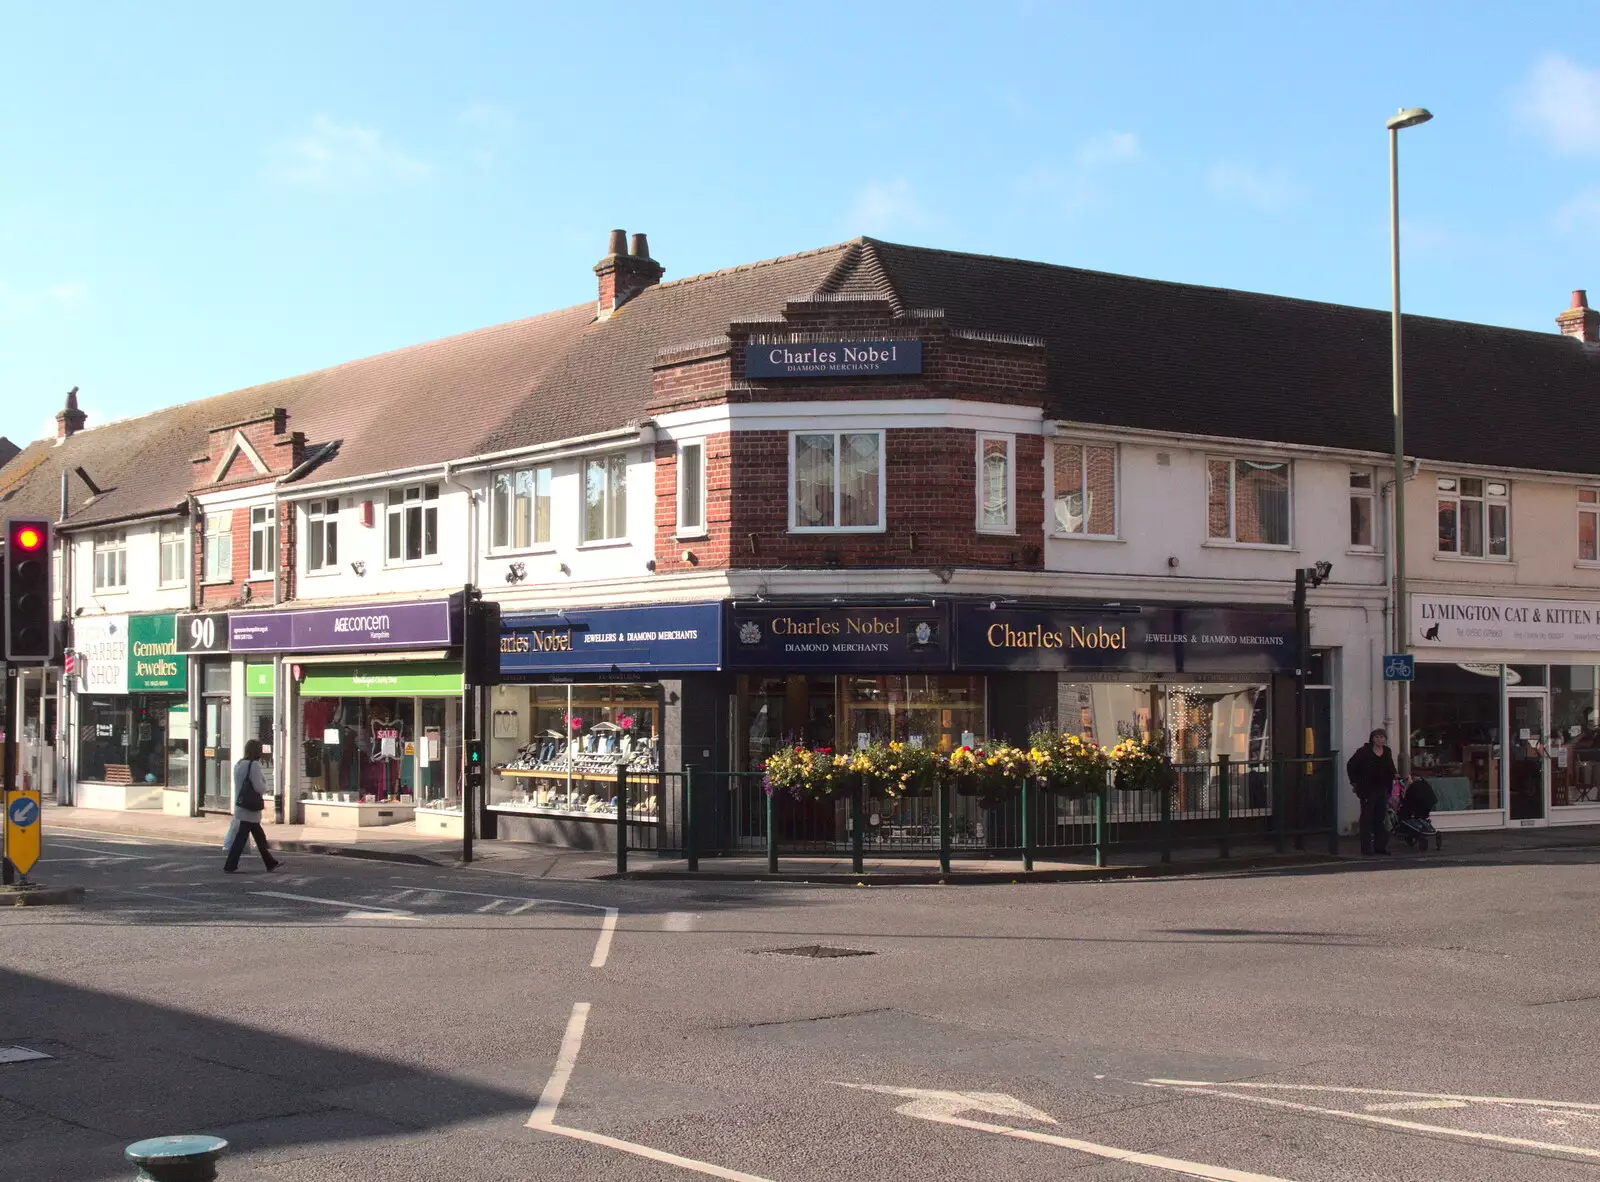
<point x="20" y="1055"/>
<point x="544" y="1113"/>
<point x="386" y="911"/>
<point x="381" y="915"/>
<point x="602" y="946"/>
<point x="1414" y="1105"/>
<point x="1347" y="1091"/>
<point x="608" y="926"/>
<point x="930" y="1104"/>
<point x="677" y="921"/>
<point x="115" y="838"/>
<point x="493" y="905"/>
<point x="518" y="910"/>
<point x="1394" y="1122"/>
<point x="939" y="1111"/>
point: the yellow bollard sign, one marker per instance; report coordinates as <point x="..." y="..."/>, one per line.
<point x="23" y="822"/>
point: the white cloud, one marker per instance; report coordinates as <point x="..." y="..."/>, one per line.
<point x="1561" y="101"/>
<point x="1268" y="191"/>
<point x="885" y="207"/>
<point x="334" y="155"/>
<point x="1110" y="147"/>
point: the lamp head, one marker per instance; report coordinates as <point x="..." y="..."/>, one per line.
<point x="1408" y="117"/>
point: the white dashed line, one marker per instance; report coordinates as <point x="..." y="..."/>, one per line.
<point x="391" y="912"/>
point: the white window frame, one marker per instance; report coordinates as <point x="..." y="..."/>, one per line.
<point x="217" y="541"/>
<point x="1083" y="446"/>
<point x="263" y="523"/>
<point x="1489" y="501"/>
<point x="1010" y="524"/>
<point x="1370" y="496"/>
<point x="615" y="531"/>
<point x="172" y="536"/>
<point x="323" y="512"/>
<point x="1233" y="463"/>
<point x="688" y="529"/>
<point x="1589" y="508"/>
<point x="397" y="503"/>
<point x="883" y="473"/>
<point x="509" y="518"/>
<point x="110" y="551"/>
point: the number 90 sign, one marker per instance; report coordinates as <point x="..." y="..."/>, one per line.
<point x="203" y="633"/>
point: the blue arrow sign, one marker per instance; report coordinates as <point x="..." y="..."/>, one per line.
<point x="1399" y="667"/>
<point x="24" y="812"/>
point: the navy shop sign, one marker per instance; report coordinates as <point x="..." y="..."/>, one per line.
<point x="619" y="639"/>
<point x="824" y="639"/>
<point x="827" y="359"/>
<point x="1151" y="639"/>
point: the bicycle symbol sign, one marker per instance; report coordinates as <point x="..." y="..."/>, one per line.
<point x="1399" y="667"/>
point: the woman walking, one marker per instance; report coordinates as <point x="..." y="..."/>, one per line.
<point x="248" y="802"/>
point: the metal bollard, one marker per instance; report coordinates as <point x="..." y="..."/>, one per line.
<point x="187" y="1158"/>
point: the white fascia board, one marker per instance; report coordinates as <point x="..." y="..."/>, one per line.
<point x="842" y="415"/>
<point x="234" y="498"/>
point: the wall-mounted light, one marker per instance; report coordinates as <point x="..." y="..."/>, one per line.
<point x="359" y="567"/>
<point x="691" y="558"/>
<point x="246" y="594"/>
<point x="650" y="564"/>
<point x="1319" y="573"/>
<point x="564" y="569"/>
<point x="517" y="572"/>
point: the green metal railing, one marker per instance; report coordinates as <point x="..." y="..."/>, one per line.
<point x="698" y="813"/>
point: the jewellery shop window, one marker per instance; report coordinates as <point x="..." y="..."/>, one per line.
<point x="557" y="748"/>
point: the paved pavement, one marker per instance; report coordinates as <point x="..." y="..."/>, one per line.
<point x="1399" y="1019"/>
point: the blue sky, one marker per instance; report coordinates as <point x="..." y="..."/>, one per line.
<point x="194" y="199"/>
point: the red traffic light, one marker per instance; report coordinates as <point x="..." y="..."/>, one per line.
<point x="29" y="538"/>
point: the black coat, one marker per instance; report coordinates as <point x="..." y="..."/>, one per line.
<point x="1371" y="774"/>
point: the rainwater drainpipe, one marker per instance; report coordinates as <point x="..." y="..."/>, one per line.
<point x="65" y="725"/>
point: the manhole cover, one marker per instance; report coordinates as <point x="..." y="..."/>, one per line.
<point x="814" y="951"/>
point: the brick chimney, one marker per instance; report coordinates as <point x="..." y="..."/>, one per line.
<point x="1580" y="320"/>
<point x="69" y="419"/>
<point x="625" y="272"/>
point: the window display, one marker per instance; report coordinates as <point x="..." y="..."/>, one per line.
<point x="354" y="749"/>
<point x="557" y="748"/>
<point x="1455" y="734"/>
<point x="123" y="740"/>
<point x="1574" y="735"/>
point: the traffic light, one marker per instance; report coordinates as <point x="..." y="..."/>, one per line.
<point x="475" y="763"/>
<point x="480" y="643"/>
<point x="29" y="635"/>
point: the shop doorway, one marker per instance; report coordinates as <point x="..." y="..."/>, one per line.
<point x="1528" y="756"/>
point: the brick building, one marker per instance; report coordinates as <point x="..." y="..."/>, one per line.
<point x="860" y="492"/>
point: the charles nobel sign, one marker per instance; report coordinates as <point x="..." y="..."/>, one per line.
<point x="881" y="639"/>
<point x="1152" y="639"/>
<point x="827" y="359"/>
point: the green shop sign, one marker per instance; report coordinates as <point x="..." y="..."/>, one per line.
<point x="260" y="680"/>
<point x="423" y="679"/>
<point x="154" y="663"/>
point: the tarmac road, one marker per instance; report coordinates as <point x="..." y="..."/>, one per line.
<point x="1414" y="1018"/>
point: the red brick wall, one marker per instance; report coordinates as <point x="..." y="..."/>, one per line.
<point x="229" y="594"/>
<point x="930" y="507"/>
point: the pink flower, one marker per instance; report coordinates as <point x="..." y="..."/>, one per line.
<point x="577" y="723"/>
<point x="626" y="722"/>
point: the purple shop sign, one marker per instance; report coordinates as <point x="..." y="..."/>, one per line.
<point x="359" y="626"/>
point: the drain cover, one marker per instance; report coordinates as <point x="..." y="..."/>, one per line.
<point x="814" y="951"/>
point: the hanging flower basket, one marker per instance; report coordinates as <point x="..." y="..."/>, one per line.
<point x="1142" y="766"/>
<point x="1068" y="764"/>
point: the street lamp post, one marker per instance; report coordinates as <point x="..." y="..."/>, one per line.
<point x="1395" y="123"/>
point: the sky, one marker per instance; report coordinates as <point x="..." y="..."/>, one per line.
<point x="199" y="198"/>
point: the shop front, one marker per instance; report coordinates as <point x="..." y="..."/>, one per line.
<point x="584" y="695"/>
<point x="369" y="696"/>
<point x="130" y="726"/>
<point x="1504" y="709"/>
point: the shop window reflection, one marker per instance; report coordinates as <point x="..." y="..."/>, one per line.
<point x="1455" y="735"/>
<point x="1574" y="736"/>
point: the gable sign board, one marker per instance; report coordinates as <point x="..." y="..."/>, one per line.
<point x="831" y="359"/>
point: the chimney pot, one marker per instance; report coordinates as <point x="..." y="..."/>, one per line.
<point x="70" y="420"/>
<point x="622" y="274"/>
<point x="1580" y="321"/>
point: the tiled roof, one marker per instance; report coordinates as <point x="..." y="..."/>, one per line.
<point x="1123" y="352"/>
<point x="1204" y="360"/>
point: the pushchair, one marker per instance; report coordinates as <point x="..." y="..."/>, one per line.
<point x="1409" y="813"/>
